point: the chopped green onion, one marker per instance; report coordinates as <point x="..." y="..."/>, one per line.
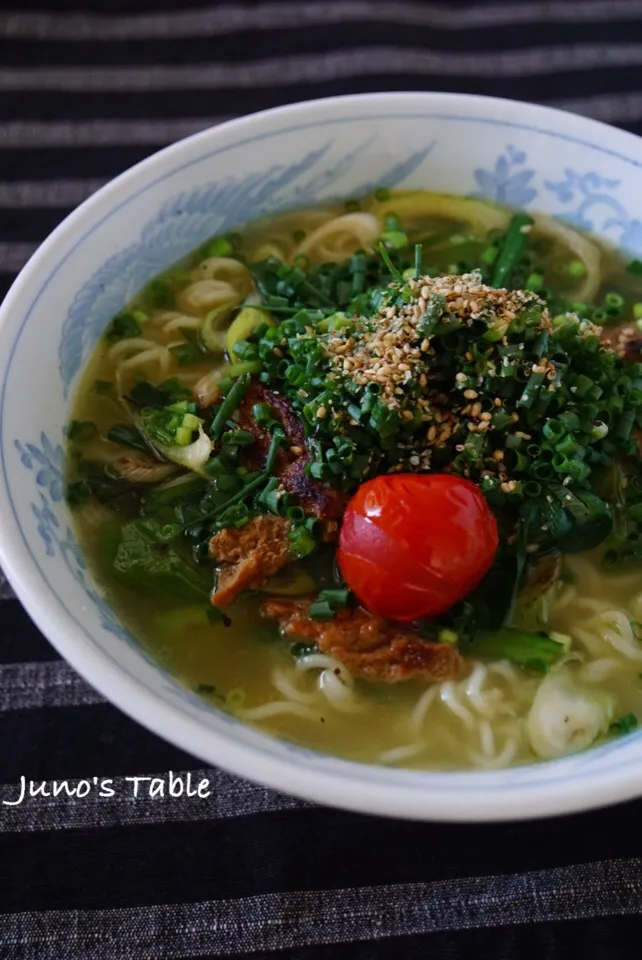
<point x="321" y="610"/>
<point x="614" y="301"/>
<point x="388" y="262"/>
<point x="395" y="239"/>
<point x="534" y="282"/>
<point x="337" y="598"/>
<point x="418" y="254"/>
<point x="183" y="436"/>
<point x="302" y="542"/>
<point x="230" y="404"/>
<point x="238" y="438"/>
<point x="219" y="247"/>
<point x="512" y="249"/>
<point x="576" y="268"/>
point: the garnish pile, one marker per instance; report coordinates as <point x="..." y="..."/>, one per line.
<point x="387" y="369"/>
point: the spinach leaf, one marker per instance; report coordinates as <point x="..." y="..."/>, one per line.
<point x="142" y="560"/>
<point x="145" y="394"/>
<point x="128" y="435"/>
<point x="534" y="651"/>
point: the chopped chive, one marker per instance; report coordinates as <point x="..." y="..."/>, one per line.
<point x="395" y="239"/>
<point x="321" y="610"/>
<point x="388" y="262"/>
<point x="512" y="249"/>
<point x="418" y="255"/>
<point x="219" y="247"/>
<point x="230" y="404"/>
<point x="576" y="268"/>
<point x="238" y="438"/>
<point x="337" y="598"/>
<point x="534" y="282"/>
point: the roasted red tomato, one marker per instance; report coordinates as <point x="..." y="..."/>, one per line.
<point x="412" y="545"/>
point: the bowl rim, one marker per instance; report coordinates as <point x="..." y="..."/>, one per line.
<point x="340" y="787"/>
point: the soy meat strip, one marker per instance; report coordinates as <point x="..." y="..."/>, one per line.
<point x="249" y="555"/>
<point x="370" y="647"/>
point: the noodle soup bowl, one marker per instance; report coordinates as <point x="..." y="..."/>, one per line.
<point x="521" y="155"/>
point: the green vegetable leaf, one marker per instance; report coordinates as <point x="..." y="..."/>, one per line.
<point x="623" y="725"/>
<point x="141" y="560"/>
<point x="530" y="650"/>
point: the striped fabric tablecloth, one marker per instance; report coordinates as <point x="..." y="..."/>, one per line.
<point x="86" y="89"/>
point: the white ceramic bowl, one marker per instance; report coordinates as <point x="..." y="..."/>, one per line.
<point x="522" y="155"/>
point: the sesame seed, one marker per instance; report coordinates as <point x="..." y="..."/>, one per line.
<point x="321" y="413"/>
<point x="297" y="451"/>
<point x="470" y="394"/>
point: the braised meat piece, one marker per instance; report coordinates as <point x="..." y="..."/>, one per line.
<point x="370" y="647"/>
<point x="315" y="498"/>
<point x="249" y="555"/>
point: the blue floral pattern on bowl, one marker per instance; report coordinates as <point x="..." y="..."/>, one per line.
<point x="593" y="207"/>
<point x="509" y="182"/>
<point x="586" y="199"/>
<point x="47" y="463"/>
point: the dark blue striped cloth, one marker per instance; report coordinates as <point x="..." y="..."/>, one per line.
<point x="86" y="89"/>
